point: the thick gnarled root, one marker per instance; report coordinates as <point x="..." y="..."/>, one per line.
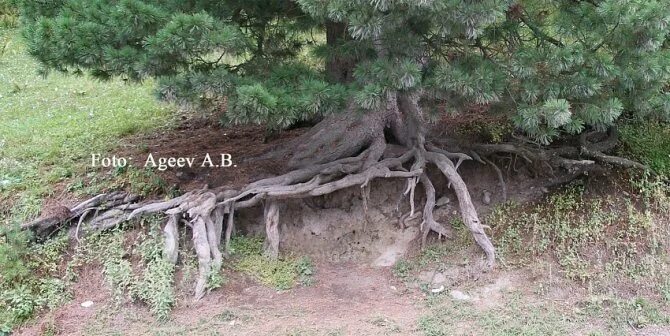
<point x="206" y="211"/>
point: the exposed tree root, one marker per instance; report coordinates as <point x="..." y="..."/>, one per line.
<point x="576" y="160"/>
<point x="206" y="210"/>
<point x="501" y="179"/>
<point x="331" y="157"/>
<point x="271" y="215"/>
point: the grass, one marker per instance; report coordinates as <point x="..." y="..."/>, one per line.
<point x="9" y="14"/>
<point x="612" y="245"/>
<point x="31" y="278"/>
<point x="49" y="127"/>
<point x="594" y="239"/>
<point x="516" y="315"/>
<point x="649" y="143"/>
<point x="447" y="317"/>
<point x="133" y="267"/>
<point x="283" y="273"/>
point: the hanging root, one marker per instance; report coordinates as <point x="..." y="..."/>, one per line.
<point x="468" y="211"/>
<point x="501" y="179"/>
<point x="429" y="223"/>
<point x="171" y="238"/>
<point x="271" y="215"/>
<point x="230" y="225"/>
<point x="344" y="151"/>
<point x="206" y="211"/>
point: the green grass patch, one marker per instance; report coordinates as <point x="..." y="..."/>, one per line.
<point x="31" y="277"/>
<point x="649" y="143"/>
<point x="133" y="265"/>
<point x="282" y="273"/>
<point x="622" y="315"/>
<point x="9" y="15"/>
<point x="49" y="127"/>
<point x="514" y="317"/>
<point x="518" y="316"/>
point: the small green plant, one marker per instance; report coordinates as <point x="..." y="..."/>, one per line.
<point x="282" y="273"/>
<point x="226" y="316"/>
<point x="155" y="285"/>
<point x="386" y="323"/>
<point x="305" y="269"/>
<point x="215" y="280"/>
<point x="402" y="269"/>
<point x="30" y="277"/>
<point x="664" y="290"/>
<point x="595" y="239"/>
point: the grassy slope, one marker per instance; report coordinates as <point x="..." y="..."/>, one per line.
<point x="50" y="126"/>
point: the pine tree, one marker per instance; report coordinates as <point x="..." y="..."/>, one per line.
<point x="373" y="71"/>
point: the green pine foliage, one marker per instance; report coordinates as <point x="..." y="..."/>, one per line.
<point x="554" y="67"/>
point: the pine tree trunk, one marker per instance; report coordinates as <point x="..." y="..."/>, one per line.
<point x="339" y="67"/>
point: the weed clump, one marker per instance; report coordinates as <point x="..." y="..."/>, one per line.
<point x="594" y="239"/>
<point x="282" y="273"/>
<point x="31" y="277"/>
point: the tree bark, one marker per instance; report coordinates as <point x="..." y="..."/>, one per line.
<point x="271" y="216"/>
<point x="339" y="67"/>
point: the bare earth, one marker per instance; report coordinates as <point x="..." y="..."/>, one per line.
<point x="347" y="299"/>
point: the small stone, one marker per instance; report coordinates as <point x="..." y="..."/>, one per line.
<point x="544" y="190"/>
<point x="487" y="197"/>
<point x="87" y="304"/>
<point x="437" y="290"/>
<point x="393" y="288"/>
<point x="459" y="296"/>
<point x="232" y="323"/>
<point x="442" y="201"/>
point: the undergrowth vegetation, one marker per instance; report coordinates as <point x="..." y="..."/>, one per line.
<point x="9" y="15"/>
<point x="515" y="315"/>
<point x="602" y="239"/>
<point x="648" y="142"/>
<point x="282" y="273"/>
<point x="133" y="265"/>
<point x="31" y="277"/>
<point x="49" y="126"/>
<point x="611" y="239"/>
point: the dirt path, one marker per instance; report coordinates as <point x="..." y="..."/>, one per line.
<point x="346" y="299"/>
